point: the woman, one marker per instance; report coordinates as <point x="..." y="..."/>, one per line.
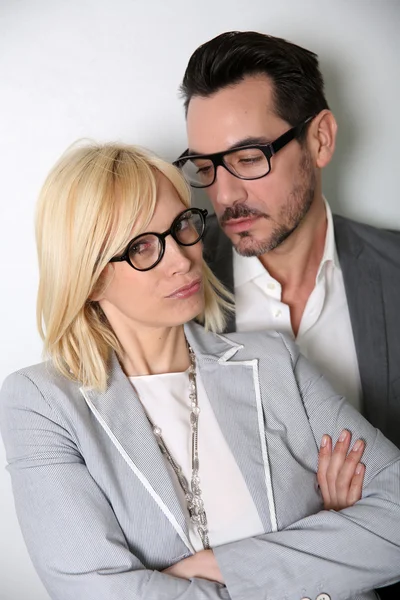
<point x="151" y="458"/>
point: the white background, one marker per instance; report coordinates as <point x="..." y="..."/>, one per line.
<point x="110" y="70"/>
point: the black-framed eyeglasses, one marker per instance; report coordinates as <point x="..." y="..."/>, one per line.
<point x="146" y="250"/>
<point x="252" y="161"/>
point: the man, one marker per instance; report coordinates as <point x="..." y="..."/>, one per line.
<point x="331" y="283"/>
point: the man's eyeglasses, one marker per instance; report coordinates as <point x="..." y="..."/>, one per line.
<point x="146" y="250"/>
<point x="245" y="162"/>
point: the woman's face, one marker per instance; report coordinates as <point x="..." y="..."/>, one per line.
<point x="169" y="294"/>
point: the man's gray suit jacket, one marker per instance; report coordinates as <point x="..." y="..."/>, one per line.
<point x="370" y="262"/>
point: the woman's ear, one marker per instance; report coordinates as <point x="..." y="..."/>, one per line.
<point x="322" y="138"/>
<point x="100" y="288"/>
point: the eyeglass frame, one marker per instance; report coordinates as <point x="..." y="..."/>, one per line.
<point x="161" y="238"/>
<point x="269" y="150"/>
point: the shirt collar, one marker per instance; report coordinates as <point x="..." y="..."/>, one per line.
<point x="248" y="268"/>
<point x="330" y="253"/>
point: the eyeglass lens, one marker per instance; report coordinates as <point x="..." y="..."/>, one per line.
<point x="250" y="163"/>
<point x="147" y="248"/>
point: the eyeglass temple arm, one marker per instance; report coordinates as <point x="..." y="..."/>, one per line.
<point x="177" y="162"/>
<point x="288" y="136"/>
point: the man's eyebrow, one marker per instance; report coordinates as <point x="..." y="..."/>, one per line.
<point x="249" y="141"/>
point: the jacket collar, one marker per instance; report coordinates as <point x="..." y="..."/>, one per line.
<point x="364" y="292"/>
<point x="210" y="347"/>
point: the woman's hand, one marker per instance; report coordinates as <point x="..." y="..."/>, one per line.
<point x="202" y="565"/>
<point x="340" y="473"/>
<point x="340" y="478"/>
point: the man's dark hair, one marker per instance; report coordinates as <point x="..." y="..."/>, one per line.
<point x="298" y="86"/>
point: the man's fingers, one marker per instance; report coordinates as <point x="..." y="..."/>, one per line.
<point x="335" y="465"/>
<point x="324" y="458"/>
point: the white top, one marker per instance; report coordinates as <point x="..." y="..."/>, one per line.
<point x="325" y="335"/>
<point x="231" y="512"/>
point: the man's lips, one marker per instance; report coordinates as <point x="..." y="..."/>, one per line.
<point x="187" y="290"/>
<point x="241" y="224"/>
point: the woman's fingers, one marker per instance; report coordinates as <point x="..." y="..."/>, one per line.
<point x="355" y="492"/>
<point x="340" y="473"/>
<point x="324" y="458"/>
<point x="335" y="466"/>
<point x="349" y="483"/>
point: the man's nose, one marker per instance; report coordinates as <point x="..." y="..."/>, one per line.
<point x="227" y="190"/>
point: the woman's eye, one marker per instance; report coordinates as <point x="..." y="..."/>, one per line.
<point x="182" y="224"/>
<point x="141" y="248"/>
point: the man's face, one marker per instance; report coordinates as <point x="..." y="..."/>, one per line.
<point x="256" y="215"/>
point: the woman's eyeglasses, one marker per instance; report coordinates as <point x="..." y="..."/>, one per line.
<point x="146" y="250"/>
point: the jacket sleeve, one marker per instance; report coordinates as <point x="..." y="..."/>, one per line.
<point x="337" y="553"/>
<point x="71" y="532"/>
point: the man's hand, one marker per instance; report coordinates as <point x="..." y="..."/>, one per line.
<point x="340" y="473"/>
<point x="202" y="565"/>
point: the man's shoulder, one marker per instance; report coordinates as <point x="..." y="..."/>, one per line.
<point x="355" y="236"/>
<point x="363" y="229"/>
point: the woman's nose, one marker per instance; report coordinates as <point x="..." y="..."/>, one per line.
<point x="176" y="256"/>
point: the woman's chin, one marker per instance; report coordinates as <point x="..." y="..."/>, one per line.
<point x="188" y="310"/>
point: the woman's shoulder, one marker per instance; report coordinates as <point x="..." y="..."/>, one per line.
<point x="36" y="384"/>
<point x="247" y="345"/>
<point x="265" y="343"/>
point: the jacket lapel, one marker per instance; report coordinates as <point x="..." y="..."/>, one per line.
<point x="234" y="393"/>
<point x="120" y="413"/>
<point x="233" y="390"/>
<point x="363" y="286"/>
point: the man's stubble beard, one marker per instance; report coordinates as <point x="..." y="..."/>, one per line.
<point x="290" y="216"/>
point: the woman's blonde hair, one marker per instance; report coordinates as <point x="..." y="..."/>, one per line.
<point x="89" y="204"/>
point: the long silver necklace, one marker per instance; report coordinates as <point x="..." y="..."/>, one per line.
<point x="193" y="497"/>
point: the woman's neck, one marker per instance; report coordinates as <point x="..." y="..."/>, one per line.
<point x="150" y="350"/>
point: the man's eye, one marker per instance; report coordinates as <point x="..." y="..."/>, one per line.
<point x="203" y="170"/>
<point x="251" y="160"/>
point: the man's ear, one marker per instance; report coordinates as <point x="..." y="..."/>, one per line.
<point x="322" y="138"/>
<point x="102" y="284"/>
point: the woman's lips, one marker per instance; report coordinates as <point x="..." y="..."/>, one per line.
<point x="187" y="290"/>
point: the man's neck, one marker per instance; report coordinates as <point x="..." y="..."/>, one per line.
<point x="295" y="262"/>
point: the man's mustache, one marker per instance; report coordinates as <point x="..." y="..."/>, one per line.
<point x="240" y="211"/>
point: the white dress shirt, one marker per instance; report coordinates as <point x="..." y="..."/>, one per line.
<point x="230" y="510"/>
<point x="325" y="335"/>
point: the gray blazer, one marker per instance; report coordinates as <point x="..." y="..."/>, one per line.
<point x="370" y="262"/>
<point x="98" y="508"/>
